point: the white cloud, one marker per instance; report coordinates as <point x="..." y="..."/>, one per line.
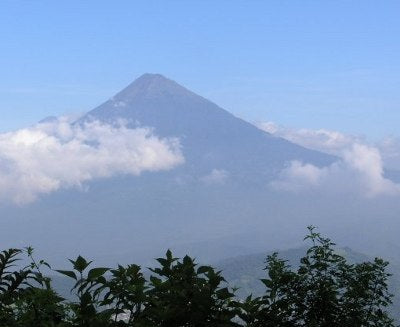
<point x="298" y="176"/>
<point x="334" y="142"/>
<point x="390" y="150"/>
<point x="54" y="155"/>
<point x="360" y="172"/>
<point x="327" y="141"/>
<point x="360" y="168"/>
<point x="216" y="176"/>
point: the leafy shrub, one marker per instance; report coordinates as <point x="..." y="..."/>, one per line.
<point x="325" y="290"/>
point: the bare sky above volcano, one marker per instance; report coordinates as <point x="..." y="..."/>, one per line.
<point x="308" y="64"/>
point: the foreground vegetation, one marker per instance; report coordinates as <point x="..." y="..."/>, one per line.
<point x="325" y="290"/>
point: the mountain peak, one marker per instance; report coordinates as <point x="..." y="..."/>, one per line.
<point x="148" y="79"/>
<point x="151" y="86"/>
<point x="151" y="77"/>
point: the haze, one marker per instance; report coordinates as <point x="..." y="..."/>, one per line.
<point x="217" y="129"/>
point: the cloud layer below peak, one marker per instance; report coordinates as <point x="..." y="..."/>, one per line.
<point x="56" y="154"/>
<point x="360" y="169"/>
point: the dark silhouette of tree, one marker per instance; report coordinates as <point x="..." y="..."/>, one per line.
<point x="325" y="290"/>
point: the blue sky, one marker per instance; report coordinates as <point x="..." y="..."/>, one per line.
<point x="314" y="64"/>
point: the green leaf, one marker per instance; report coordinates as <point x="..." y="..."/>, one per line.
<point x="68" y="273"/>
<point x="80" y="264"/>
<point x="97" y="272"/>
<point x="203" y="269"/>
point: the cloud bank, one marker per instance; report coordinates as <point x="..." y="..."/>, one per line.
<point x="56" y="154"/>
<point x="360" y="169"/>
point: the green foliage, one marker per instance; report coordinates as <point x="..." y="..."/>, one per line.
<point x="324" y="290"/>
<point x="26" y="296"/>
<point x="182" y="294"/>
<point x="127" y="294"/>
<point x="86" y="312"/>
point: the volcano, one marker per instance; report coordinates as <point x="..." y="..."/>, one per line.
<point x="217" y="203"/>
<point x="211" y="137"/>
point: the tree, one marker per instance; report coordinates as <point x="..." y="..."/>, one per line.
<point x="184" y="294"/>
<point x="324" y="291"/>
